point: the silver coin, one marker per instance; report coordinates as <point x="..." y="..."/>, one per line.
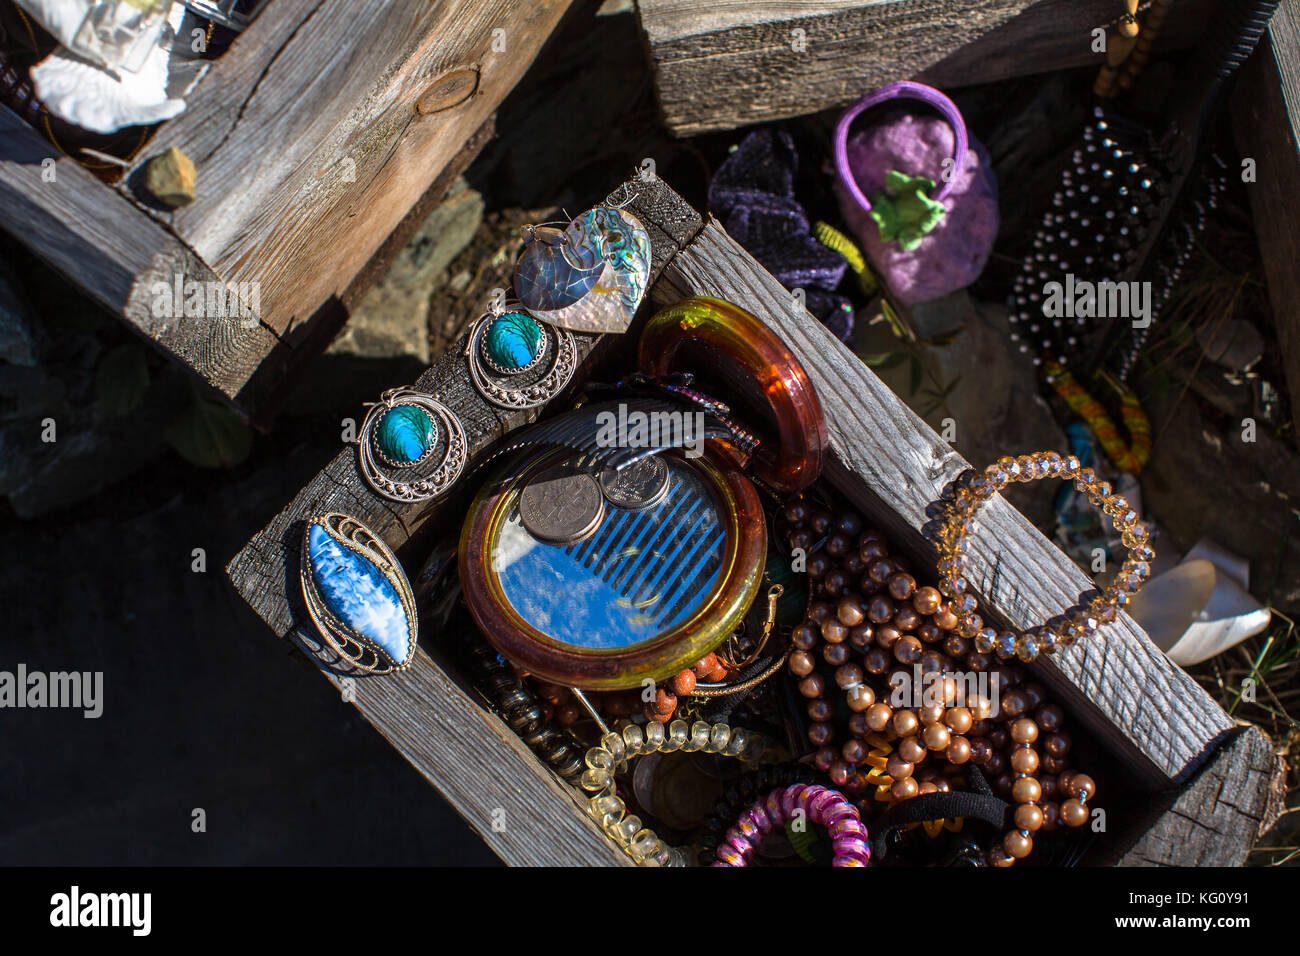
<point x="560" y="506"/>
<point x="638" y="486"/>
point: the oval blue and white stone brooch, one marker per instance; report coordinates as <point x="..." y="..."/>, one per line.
<point x="505" y="352"/>
<point x="589" y="276"/>
<point x="357" y="594"/>
<point x="398" y="439"/>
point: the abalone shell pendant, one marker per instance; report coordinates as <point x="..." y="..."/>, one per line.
<point x="401" y="432"/>
<point x="357" y="594"/>
<point x="591" y="276"/>
<point x="505" y="350"/>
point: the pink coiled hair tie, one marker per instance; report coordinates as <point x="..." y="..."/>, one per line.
<point x="820" y="805"/>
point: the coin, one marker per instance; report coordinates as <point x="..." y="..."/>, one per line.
<point x="638" y="486"/>
<point x="561" y="506"/>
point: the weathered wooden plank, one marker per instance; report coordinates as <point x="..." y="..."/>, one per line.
<point x="315" y="135"/>
<point x="479" y="764"/>
<point x="308" y="339"/>
<point x="1266" y="111"/>
<point x="405" y="230"/>
<point x="116" y="254"/>
<point x="731" y="63"/>
<point x="1212" y="821"/>
<point x="891" y="464"/>
<point x="321" y="126"/>
<point x="436" y="724"/>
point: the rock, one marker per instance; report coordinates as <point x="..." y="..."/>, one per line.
<point x="56" y="398"/>
<point x="975" y="391"/>
<point x="391" y="320"/>
<point x="1027" y="126"/>
<point x="91" y="450"/>
<point x="17" y="340"/>
<point x="1233" y="343"/>
<point x="942" y="316"/>
<point x="171" y="179"/>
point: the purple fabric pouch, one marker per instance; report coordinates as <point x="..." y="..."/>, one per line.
<point x="918" y="193"/>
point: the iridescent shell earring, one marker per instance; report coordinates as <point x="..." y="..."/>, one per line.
<point x="507" y="351"/>
<point x="400" y="435"/>
<point x="590" y="275"/>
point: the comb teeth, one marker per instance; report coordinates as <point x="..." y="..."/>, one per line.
<point x="1231" y="40"/>
<point x="1167" y="266"/>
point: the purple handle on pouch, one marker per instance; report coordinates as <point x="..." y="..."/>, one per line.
<point x="903" y="89"/>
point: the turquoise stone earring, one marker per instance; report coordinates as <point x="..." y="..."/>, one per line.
<point x="404" y="435"/>
<point x="513" y="342"/>
<point x="590" y="276"/>
<point x="357" y="594"/>
<point x="400" y="433"/>
<point x="505" y="352"/>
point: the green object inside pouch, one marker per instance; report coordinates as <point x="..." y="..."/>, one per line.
<point x="904" y="211"/>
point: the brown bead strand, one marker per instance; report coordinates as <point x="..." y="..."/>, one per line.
<point x="1028" y="778"/>
<point x="890" y="621"/>
<point x="865" y="603"/>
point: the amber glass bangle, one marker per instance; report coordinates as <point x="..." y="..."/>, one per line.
<point x="1078" y="621"/>
<point x="743" y="352"/>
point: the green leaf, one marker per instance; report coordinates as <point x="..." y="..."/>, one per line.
<point x="210" y="435"/>
<point x="885" y="359"/>
<point x="121" y="379"/>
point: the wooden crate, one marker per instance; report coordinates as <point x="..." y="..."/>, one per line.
<point x="1205" y="787"/>
<point x="314" y="136"/>
<point x="723" y="65"/>
<point x="1266" y="114"/>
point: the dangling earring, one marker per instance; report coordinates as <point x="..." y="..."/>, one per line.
<point x="507" y="345"/>
<point x="400" y="433"/>
<point x="589" y="276"/>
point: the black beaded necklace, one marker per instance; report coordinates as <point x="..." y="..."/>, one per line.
<point x="1126" y="214"/>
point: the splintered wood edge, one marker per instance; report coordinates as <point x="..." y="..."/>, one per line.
<point x="1217" y="817"/>
<point x="116" y="254"/>
<point x="440" y="729"/>
<point x="717" y="67"/>
<point x="892" y="465"/>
